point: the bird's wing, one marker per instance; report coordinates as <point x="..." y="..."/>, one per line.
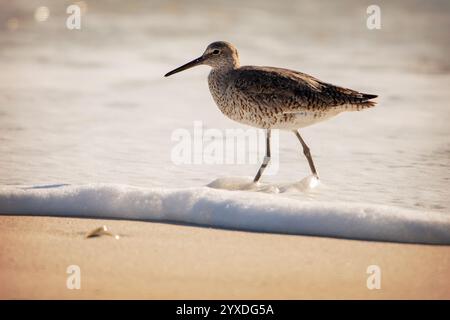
<point x="289" y="91"/>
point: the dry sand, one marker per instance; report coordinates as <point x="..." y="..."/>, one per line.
<point x="159" y="261"/>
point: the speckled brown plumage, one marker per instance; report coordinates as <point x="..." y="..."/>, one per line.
<point x="267" y="97"/>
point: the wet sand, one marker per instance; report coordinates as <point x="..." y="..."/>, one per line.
<point x="160" y="261"/>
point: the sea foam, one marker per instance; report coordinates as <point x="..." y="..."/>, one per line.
<point x="238" y="210"/>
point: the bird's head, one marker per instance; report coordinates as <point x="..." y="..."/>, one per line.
<point x="219" y="54"/>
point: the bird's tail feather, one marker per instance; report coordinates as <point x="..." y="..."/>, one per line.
<point x="360" y="104"/>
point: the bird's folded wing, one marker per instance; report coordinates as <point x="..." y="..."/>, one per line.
<point x="287" y="91"/>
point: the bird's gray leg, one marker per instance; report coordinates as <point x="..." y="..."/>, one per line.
<point x="307" y="153"/>
<point x="266" y="158"/>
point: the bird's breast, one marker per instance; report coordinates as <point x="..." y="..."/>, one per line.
<point x="235" y="104"/>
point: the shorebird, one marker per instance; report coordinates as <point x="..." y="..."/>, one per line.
<point x="272" y="98"/>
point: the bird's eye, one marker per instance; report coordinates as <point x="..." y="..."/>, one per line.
<point x="216" y="51"/>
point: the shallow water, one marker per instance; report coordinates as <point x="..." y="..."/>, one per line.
<point x="92" y="106"/>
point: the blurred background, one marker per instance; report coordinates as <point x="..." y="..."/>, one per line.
<point x="92" y="106"/>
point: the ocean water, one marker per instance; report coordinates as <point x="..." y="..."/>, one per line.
<point x="91" y="106"/>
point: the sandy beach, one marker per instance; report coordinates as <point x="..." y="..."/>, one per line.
<point x="160" y="261"/>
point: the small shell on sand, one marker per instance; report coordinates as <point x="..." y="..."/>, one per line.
<point x="102" y="231"/>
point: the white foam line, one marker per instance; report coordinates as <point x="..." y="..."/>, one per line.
<point x="230" y="209"/>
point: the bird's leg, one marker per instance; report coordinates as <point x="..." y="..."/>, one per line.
<point x="307" y="153"/>
<point x="266" y="158"/>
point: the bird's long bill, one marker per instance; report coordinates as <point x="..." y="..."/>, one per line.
<point x="188" y="65"/>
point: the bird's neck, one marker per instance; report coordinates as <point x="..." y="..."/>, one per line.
<point x="226" y="66"/>
<point x="218" y="80"/>
<point x="218" y="76"/>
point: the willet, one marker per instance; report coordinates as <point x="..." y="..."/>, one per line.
<point x="272" y="98"/>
